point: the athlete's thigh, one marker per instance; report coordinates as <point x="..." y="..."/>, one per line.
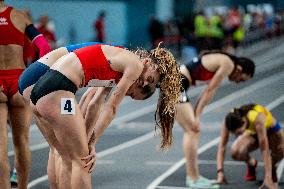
<point x="3" y="129"/>
<point x="276" y="142"/>
<point x="3" y="97"/>
<point x="185" y="115"/>
<point x="69" y="128"/>
<point x="20" y="115"/>
<point x="246" y="141"/>
<point x="49" y="135"/>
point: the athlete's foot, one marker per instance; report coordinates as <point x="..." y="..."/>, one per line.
<point x="251" y="172"/>
<point x="14" y="179"/>
<point x="201" y="183"/>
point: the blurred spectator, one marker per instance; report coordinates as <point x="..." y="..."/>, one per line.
<point x="99" y="27"/>
<point x="172" y="38"/>
<point x="44" y="28"/>
<point x="269" y="25"/>
<point x="233" y="31"/>
<point x="216" y="33"/>
<point x="201" y="32"/>
<point x="277" y="21"/>
<point x="156" y="31"/>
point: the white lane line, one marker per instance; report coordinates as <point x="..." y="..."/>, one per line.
<point x="211" y="107"/>
<point x="37" y="181"/>
<point x="280" y="168"/>
<point x="127" y="144"/>
<point x="200" y="162"/>
<point x="176" y="166"/>
<point x="159" y="163"/>
<point x="32" y="148"/>
<point x="33" y="128"/>
<point x="275" y="103"/>
<point x="214" y="162"/>
<point x="105" y="162"/>
<point x="105" y="153"/>
<point x="170" y="187"/>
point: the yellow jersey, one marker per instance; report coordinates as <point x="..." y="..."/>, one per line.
<point x="252" y="114"/>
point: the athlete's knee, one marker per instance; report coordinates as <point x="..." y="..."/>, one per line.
<point x="80" y="164"/>
<point x="21" y="139"/>
<point x="239" y="153"/>
<point x="235" y="153"/>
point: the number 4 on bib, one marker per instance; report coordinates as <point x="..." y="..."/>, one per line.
<point x="67" y="106"/>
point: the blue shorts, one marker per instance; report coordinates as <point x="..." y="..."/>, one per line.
<point x="31" y="75"/>
<point x="277" y="127"/>
<point x="72" y="48"/>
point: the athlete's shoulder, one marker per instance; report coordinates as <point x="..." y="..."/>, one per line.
<point x="21" y="15"/>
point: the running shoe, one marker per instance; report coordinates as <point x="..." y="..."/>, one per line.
<point x="251" y="172"/>
<point x="14" y="179"/>
<point x="201" y="183"/>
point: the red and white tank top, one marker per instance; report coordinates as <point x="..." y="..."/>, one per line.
<point x="9" y="34"/>
<point x="96" y="66"/>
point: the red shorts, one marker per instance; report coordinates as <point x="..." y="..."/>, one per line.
<point x="9" y="81"/>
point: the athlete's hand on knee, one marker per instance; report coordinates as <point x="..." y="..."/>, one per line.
<point x="90" y="160"/>
<point x="196" y="126"/>
<point x="221" y="179"/>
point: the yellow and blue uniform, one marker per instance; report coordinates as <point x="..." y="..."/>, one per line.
<point x="253" y="113"/>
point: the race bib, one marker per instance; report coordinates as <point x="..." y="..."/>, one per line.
<point x="101" y="83"/>
<point x="67" y="106"/>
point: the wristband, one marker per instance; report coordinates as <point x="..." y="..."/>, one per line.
<point x="220" y="170"/>
<point x="42" y="45"/>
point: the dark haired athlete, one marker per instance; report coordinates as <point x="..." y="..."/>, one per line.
<point x="209" y="68"/>
<point x="256" y="128"/>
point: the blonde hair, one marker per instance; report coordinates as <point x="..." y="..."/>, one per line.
<point x="169" y="90"/>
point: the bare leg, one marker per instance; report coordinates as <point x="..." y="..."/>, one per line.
<point x="185" y="117"/>
<point x="52" y="170"/>
<point x="276" y="144"/>
<point x="4" y="162"/>
<point x="20" y="117"/>
<point x="70" y="131"/>
<point x="242" y="147"/>
<point x="94" y="108"/>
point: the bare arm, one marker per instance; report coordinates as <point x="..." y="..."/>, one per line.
<point x="34" y="35"/>
<point x="111" y="107"/>
<point x="263" y="142"/>
<point x="223" y="71"/>
<point x="86" y="99"/>
<point x="131" y="71"/>
<point x="221" y="179"/>
<point x="222" y="147"/>
<point x="94" y="108"/>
